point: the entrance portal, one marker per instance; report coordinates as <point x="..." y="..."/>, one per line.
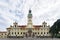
<point x="29" y="33"/>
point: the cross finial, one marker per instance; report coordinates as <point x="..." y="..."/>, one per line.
<point x="29" y="11"/>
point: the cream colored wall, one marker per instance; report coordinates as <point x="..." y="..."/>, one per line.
<point x="3" y="35"/>
<point x="41" y="29"/>
<point x="18" y="29"/>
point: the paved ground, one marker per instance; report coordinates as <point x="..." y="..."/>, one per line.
<point x="30" y="39"/>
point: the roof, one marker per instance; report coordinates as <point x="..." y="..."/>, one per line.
<point x="8" y="28"/>
<point x="33" y="26"/>
<point x="37" y="25"/>
<point x="3" y="32"/>
<point x="22" y="26"/>
<point x="44" y="22"/>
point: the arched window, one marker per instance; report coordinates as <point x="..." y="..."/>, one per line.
<point x="44" y="25"/>
<point x="38" y="32"/>
<point x="18" y="32"/>
<point x="15" y="32"/>
<point x="41" y="32"/>
<point x="44" y="32"/>
<point x="15" y="25"/>
<point x="21" y="32"/>
<point x="12" y="32"/>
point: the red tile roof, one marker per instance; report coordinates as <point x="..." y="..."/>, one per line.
<point x="33" y="26"/>
<point x="22" y="26"/>
<point x="37" y="25"/>
<point x="26" y="26"/>
<point x="3" y="32"/>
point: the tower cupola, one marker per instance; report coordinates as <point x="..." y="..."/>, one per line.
<point x="29" y="15"/>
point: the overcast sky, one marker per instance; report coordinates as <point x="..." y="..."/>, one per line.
<point x="17" y="10"/>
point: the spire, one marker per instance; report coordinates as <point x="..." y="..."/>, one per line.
<point x="29" y="15"/>
<point x="29" y="11"/>
<point x="44" y="22"/>
<point x="15" y="22"/>
<point x="29" y="25"/>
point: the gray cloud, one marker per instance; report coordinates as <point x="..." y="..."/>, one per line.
<point x="17" y="10"/>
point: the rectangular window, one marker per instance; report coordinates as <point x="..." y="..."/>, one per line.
<point x="15" y="25"/>
<point x="21" y="32"/>
<point x="38" y="32"/>
<point x="18" y="32"/>
<point x="12" y="32"/>
<point x="44" y="32"/>
<point x="41" y="32"/>
<point x="44" y="25"/>
<point x="5" y="33"/>
<point x="47" y="32"/>
<point x="15" y="32"/>
<point x="35" y="33"/>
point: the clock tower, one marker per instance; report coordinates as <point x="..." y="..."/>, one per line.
<point x="29" y="24"/>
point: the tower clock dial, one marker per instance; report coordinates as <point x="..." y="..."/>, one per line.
<point x="29" y="26"/>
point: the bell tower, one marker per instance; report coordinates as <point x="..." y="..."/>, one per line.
<point x="29" y="24"/>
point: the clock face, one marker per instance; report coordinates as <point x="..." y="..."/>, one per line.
<point x="30" y="26"/>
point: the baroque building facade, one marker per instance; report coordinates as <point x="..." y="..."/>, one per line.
<point x="29" y="30"/>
